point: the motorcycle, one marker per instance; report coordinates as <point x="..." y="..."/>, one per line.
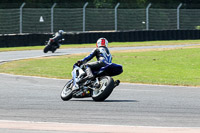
<point x="99" y="87"/>
<point x="53" y="44"/>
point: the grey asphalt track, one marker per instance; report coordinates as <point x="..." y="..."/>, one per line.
<point x="38" y="99"/>
<point x="24" y="98"/>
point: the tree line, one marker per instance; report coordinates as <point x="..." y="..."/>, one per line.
<point x="110" y="3"/>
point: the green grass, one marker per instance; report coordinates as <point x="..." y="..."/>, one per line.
<point x="112" y="44"/>
<point x="171" y="67"/>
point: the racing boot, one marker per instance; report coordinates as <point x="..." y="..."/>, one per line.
<point x="87" y="77"/>
<point x="89" y="73"/>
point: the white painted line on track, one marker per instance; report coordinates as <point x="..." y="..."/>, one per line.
<point x="13" y="75"/>
<point x="94" y="128"/>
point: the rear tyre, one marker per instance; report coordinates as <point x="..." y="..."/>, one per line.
<point x="66" y="93"/>
<point x="105" y="89"/>
<point x="53" y="50"/>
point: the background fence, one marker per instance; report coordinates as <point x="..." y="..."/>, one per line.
<point x="49" y="20"/>
<point x="91" y="37"/>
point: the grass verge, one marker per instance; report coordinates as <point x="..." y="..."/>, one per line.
<point x="170" y="67"/>
<point x="112" y="44"/>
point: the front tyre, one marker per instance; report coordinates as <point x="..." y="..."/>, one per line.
<point x="66" y="93"/>
<point x="105" y="89"/>
<point x="47" y="48"/>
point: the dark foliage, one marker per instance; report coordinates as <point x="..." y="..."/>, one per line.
<point x="102" y="3"/>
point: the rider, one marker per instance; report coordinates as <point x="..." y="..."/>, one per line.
<point x="103" y="58"/>
<point x="58" y="37"/>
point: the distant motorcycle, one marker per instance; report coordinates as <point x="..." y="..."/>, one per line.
<point x="99" y="88"/>
<point x="54" y="43"/>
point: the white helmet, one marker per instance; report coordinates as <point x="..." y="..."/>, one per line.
<point x="102" y="42"/>
<point x="60" y="31"/>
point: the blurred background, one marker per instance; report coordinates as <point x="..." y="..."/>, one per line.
<point x="48" y="16"/>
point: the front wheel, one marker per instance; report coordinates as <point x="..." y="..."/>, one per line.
<point x="66" y="93"/>
<point x="47" y="48"/>
<point x="105" y="89"/>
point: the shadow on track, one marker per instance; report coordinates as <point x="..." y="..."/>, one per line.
<point x="121" y="101"/>
<point x="113" y="101"/>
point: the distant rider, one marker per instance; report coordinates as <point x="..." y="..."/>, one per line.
<point x="103" y="58"/>
<point x="57" y="39"/>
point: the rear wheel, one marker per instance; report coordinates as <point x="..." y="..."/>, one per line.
<point x="53" y="50"/>
<point x="105" y="89"/>
<point x="66" y="93"/>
